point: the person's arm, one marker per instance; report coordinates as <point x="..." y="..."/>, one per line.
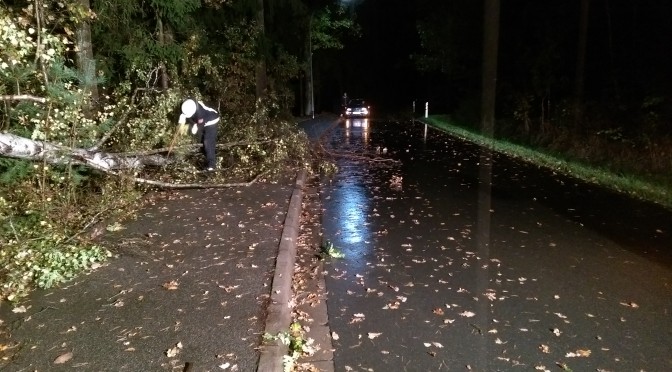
<point x="182" y="119"/>
<point x="182" y="124"/>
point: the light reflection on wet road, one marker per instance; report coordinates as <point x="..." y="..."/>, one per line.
<point x="447" y="273"/>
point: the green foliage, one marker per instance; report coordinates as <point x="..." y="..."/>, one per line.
<point x="226" y="70"/>
<point x="48" y="262"/>
<point x="41" y="209"/>
<point x="21" y="55"/>
<point x="128" y="33"/>
<point x="36" y="251"/>
<point x="330" y="26"/>
<point x="327" y="249"/>
<point x="12" y="171"/>
<point x="296" y="342"/>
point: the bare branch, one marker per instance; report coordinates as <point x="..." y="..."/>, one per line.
<point x="22" y="97"/>
<point x="169" y="185"/>
<point x="165" y="185"/>
<point x="193" y="146"/>
<point x="93" y="220"/>
<point x="320" y="150"/>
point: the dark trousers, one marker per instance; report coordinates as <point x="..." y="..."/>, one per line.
<point x="209" y="141"/>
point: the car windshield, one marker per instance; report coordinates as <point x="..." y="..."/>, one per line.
<point x="356" y="103"/>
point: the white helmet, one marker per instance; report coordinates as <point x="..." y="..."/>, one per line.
<point x="189" y="108"/>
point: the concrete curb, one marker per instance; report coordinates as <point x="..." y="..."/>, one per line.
<point x="279" y="312"/>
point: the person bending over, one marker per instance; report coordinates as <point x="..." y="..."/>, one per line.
<point x="204" y="121"/>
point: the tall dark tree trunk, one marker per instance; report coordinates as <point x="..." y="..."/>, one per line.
<point x="86" y="65"/>
<point x="581" y="63"/>
<point x="308" y="91"/>
<point x="163" y="40"/>
<point x="612" y="60"/>
<point x="490" y="51"/>
<point x="635" y="45"/>
<point x="261" y="76"/>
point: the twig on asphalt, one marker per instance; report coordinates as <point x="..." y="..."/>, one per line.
<point x="169" y="185"/>
<point x="319" y="149"/>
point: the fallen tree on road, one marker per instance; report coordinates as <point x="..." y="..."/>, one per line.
<point x="17" y="147"/>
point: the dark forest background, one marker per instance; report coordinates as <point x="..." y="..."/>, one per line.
<point x="430" y="50"/>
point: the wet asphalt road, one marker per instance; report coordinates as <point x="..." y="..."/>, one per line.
<point x="456" y="259"/>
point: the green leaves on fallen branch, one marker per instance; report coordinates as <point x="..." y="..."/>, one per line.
<point x="296" y="342"/>
<point x="327" y="249"/>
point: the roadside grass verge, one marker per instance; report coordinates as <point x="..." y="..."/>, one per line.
<point x="658" y="190"/>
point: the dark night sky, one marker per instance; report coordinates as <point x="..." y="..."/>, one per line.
<point x="629" y="49"/>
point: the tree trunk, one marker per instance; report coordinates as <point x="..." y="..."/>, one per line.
<point x="85" y="62"/>
<point x="489" y="82"/>
<point x="308" y="91"/>
<point x="612" y="60"/>
<point x="581" y="62"/>
<point x="162" y="65"/>
<point x="13" y="146"/>
<point x="261" y="77"/>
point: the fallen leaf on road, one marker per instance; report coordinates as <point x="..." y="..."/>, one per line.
<point x="173" y="351"/>
<point x="563" y="366"/>
<point x="630" y="304"/>
<point x="230" y="288"/>
<point x="63" y="358"/>
<point x="392" y="305"/>
<point x="171" y="285"/>
<point x="467" y="314"/>
<point x="373" y="335"/>
<point x="578" y="353"/>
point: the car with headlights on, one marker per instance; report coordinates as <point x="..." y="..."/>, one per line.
<point x="357" y="108"/>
